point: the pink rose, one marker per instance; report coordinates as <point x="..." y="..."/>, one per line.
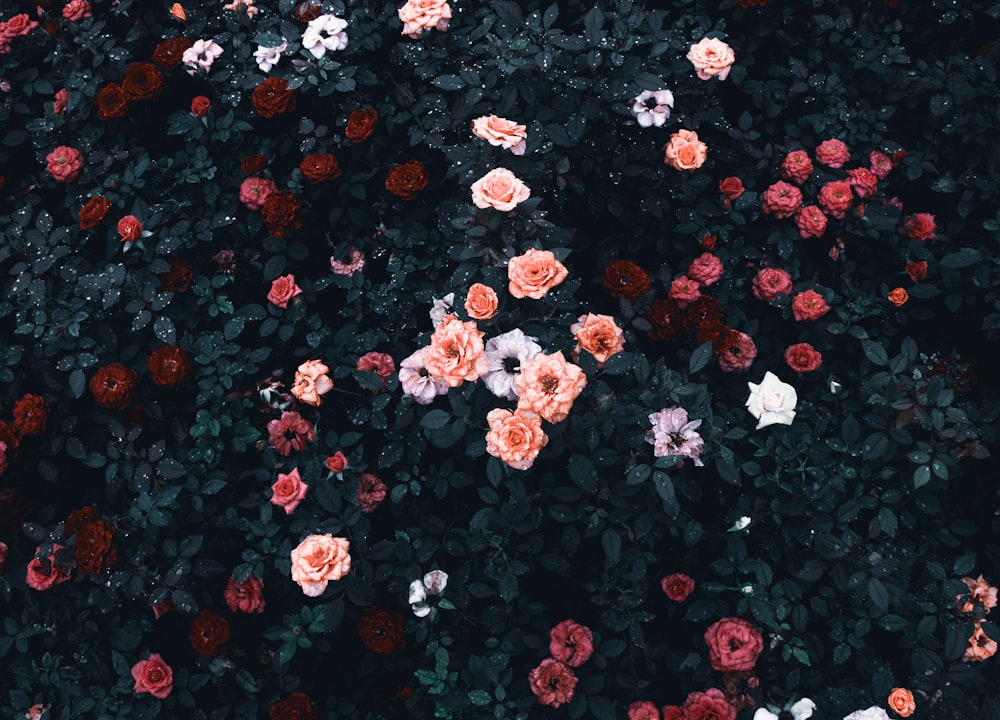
<point x="811" y="221"/>
<point x="420" y="15"/>
<point x="3" y="555"/>
<point x="733" y="645"/>
<point x="336" y="463"/>
<point x="809" y="305"/>
<point x="60" y="101"/>
<point x="571" y="642"/>
<point x="64" y="163"/>
<point x="254" y="191"/>
<point x="769" y="283"/>
<point x="553" y="682"/>
<point x="153" y="676"/>
<point x="864" y="182"/>
<point x="685" y="151"/>
<point x="677" y="586"/>
<point x="684" y="291"/>
<point x="245" y="597"/>
<point x="737" y="353"/>
<point x="881" y="164"/>
<point x="500" y="132"/>
<point x="835" y="197"/>
<point x="317" y="560"/>
<point x="796" y="167"/>
<point x="711" y="58"/>
<point x="288" y="491"/>
<point x="706" y="269"/>
<point x="282" y="290"/>
<point x="381" y="364"/>
<point x="43" y="573"/>
<point x="18" y="25"/>
<point x="643" y="710"/>
<point x="371" y="492"/>
<point x="129" y="229"/>
<point x="731" y="187"/>
<point x="833" y="153"/>
<point x="76" y="10"/>
<point x="781" y="200"/>
<point x="499" y="189"/>
<point x="35" y="712"/>
<point x="803" y="357"/>
<point x="920" y="226"/>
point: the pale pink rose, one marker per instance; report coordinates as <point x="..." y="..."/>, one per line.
<point x="706" y="269"/>
<point x="457" y="353"/>
<point x="515" y="437"/>
<point x="684" y="291"/>
<point x="499" y="189"/>
<point x="312" y="381"/>
<point x="254" y="191"/>
<point x="416" y="380"/>
<point x="833" y="153"/>
<point x="282" y="290"/>
<point x="500" y="132"/>
<point x="201" y="55"/>
<point x="420" y="15"/>
<point x="534" y="273"/>
<point x="60" y="101"/>
<point x="317" y="560"/>
<point x="598" y="335"/>
<point x="711" y="58"/>
<point x="64" y="163"/>
<point x="288" y="491"/>
<point x="76" y="10"/>
<point x="153" y="676"/>
<point x="355" y="262"/>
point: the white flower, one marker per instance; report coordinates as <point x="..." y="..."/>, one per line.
<point x="506" y="354"/>
<point x="442" y="308"/>
<point x="268" y="57"/>
<point x="201" y="55"/>
<point x="835" y="387"/>
<point x="802" y="710"/>
<point x="653" y="108"/>
<point x="772" y="401"/>
<point x="431" y="586"/>
<point x="872" y="713"/>
<point x="325" y="33"/>
<point x="742" y="524"/>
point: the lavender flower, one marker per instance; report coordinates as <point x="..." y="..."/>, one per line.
<point x="673" y="434"/>
<point x="506" y="353"/>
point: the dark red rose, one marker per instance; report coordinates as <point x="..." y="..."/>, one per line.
<point x="11" y="435"/>
<point x="731" y="187"/>
<point x="111" y="102"/>
<point x="625" y="279"/>
<point x="253" y="164"/>
<point x="169" y="52"/>
<point x="14" y="509"/>
<point x="677" y="586"/>
<point x="296" y="706"/>
<point x="30" y="415"/>
<point x="51" y="26"/>
<point x="916" y="270"/>
<point x="168" y="366"/>
<point x="209" y="632"/>
<point x="920" y="226"/>
<point x="306" y="11"/>
<point x="320" y="167"/>
<point x="93" y="212"/>
<point x="747" y="4"/>
<point x="668" y="320"/>
<point x="673" y="712"/>
<point x="95" y="549"/>
<point x="406" y="180"/>
<point x="200" y="106"/>
<point x="360" y="124"/>
<point x="703" y="311"/>
<point x="178" y="278"/>
<point x="272" y="97"/>
<point x="113" y="385"/>
<point x="142" y="81"/>
<point x="281" y="213"/>
<point x="78" y="519"/>
<point x="382" y="631"/>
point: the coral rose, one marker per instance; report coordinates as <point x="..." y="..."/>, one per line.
<point x="803" y="357"/>
<point x="781" y="200"/>
<point x="320" y="167"/>
<point x="317" y="560"/>
<point x="200" y="105"/>
<point x="571" y="643"/>
<point x="282" y="290"/>
<point x="481" y="302"/>
<point x="360" y="124"/>
<point x="920" y="226"/>
<point x="833" y="153"/>
<point x="43" y="573"/>
<point x="553" y="682"/>
<point x="981" y="646"/>
<point x="898" y="297"/>
<point x="769" y="283"/>
<point x="93" y="212"/>
<point x="901" y="702"/>
<point x="598" y="335"/>
<point x="835" y="197"/>
<point x="733" y="644"/>
<point x="731" y="187"/>
<point x="864" y="182"/>
<point x="499" y="189"/>
<point x="245" y="597"/>
<point x="153" y="676"/>
<point x="288" y="491"/>
<point x="709" y="705"/>
<point x="272" y="97"/>
<point x="677" y="586"/>
<point x="811" y="222"/>
<point x="420" y="15"/>
<point x="112" y="385"/>
<point x="311" y="381"/>
<point x="500" y="132"/>
<point x="168" y="366"/>
<point x="548" y="385"/>
<point x="809" y="305"/>
<point x="684" y="291"/>
<point x="515" y="437"/>
<point x="336" y="463"/>
<point x="64" y="164"/>
<point x="534" y="273"/>
<point x="711" y="57"/>
<point x="129" y="229"/>
<point x="796" y="167"/>
<point x="685" y="151"/>
<point x="457" y="353"/>
<point x="406" y="180"/>
<point x="705" y="269"/>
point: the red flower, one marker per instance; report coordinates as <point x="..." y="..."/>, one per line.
<point x="320" y="167"/>
<point x="835" y="197"/>
<point x="360" y="124"/>
<point x="371" y="492"/>
<point x="142" y="81"/>
<point x="733" y="645"/>
<point x="178" y="278"/>
<point x="571" y="643"/>
<point x="916" y="270"/>
<point x="306" y="11"/>
<point x="920" y="226"/>
<point x="803" y="357"/>
<point x="168" y="366"/>
<point x="625" y="279"/>
<point x="811" y="221"/>
<point x="209" y="632"/>
<point x="111" y="102"/>
<point x="673" y="712"/>
<point x="297" y="706"/>
<point x="796" y="167"/>
<point x="381" y="631"/>
<point x="245" y="597"/>
<point x="272" y="97"/>
<point x="169" y="52"/>
<point x="253" y="164"/>
<point x="781" y="200"/>
<point x="553" y="682"/>
<point x="336" y="463"/>
<point x="731" y="187"/>
<point x="113" y="385"/>
<point x="864" y="182"/>
<point x="677" y="586"/>
<point x="93" y="212"/>
<point x="153" y="676"/>
<point x="95" y="549"/>
<point x="381" y="364"/>
<point x="710" y="705"/>
<point x="290" y="432"/>
<point x="406" y="180"/>
<point x="708" y="241"/>
<point x="129" y="229"/>
<point x="668" y="320"/>
<point x="30" y="415"/>
<point x="200" y="106"/>
<point x="281" y="213"/>
<point x="809" y="305"/>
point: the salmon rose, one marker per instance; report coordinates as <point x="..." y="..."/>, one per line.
<point x="500" y="132"/>
<point x="711" y="58"/>
<point x="499" y="189"/>
<point x="456" y="353"/>
<point x="515" y="437"/>
<point x="598" y="335"/>
<point x="311" y="381"/>
<point x="534" y="274"/>
<point x="548" y="385"/>
<point x="319" y="559"/>
<point x="685" y="151"/>
<point x="481" y="302"/>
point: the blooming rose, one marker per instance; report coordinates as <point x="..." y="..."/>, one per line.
<point x="354" y="262"/>
<point x="456" y="353"/>
<point x="178" y="278"/>
<point x="553" y="682"/>
<point x="811" y="221"/>
<point x="548" y="385"/>
<point x="809" y="305"/>
<point x="64" y="164"/>
<point x="506" y="353"/>
<point x="268" y="57"/>
<point x="153" y="676"/>
<point x="169" y="53"/>
<point x="673" y="712"/>
<point x="898" y="296"/>
<point x="673" y="434"/>
<point x="297" y="706"/>
<point x="736" y="350"/>
<point x="499" y="189"/>
<point x="200" y="105"/>
<point x="863" y="181"/>
<point x="781" y="200"/>
<point x="336" y="463"/>
<point x="209" y="632"/>
<point x="772" y="402"/>
<point x="420" y="15"/>
<point x="129" y="229"/>
<point x="43" y="573"/>
<point x="320" y="167"/>
<point x="481" y="302"/>
<point x="112" y="385"/>
<point x="685" y="151"/>
<point x="684" y="291"/>
<point x="35" y="712"/>
<point x="769" y="283"/>
<point x="93" y="212"/>
<point x="916" y="270"/>
<point x="705" y="269"/>
<point x="835" y="197"/>
<point x="76" y="10"/>
<point x="200" y="55"/>
<point x="571" y="643"/>
<point x="625" y="279"/>
<point x="980" y="591"/>
<point x="111" y="102"/>
<point x="288" y="491"/>
<point x="796" y="167"/>
<point x="833" y="153"/>
<point x="731" y="187"/>
<point x="325" y="32"/>
<point x="920" y="226"/>
<point x="652" y="107"/>
<point x="17" y="26"/>
<point x="312" y="381"/>
<point x="598" y="335"/>
<point x="901" y="702"/>
<point x="280" y="213"/>
<point x="980" y="646"/>
<point x="273" y="97"/>
<point x="245" y="597"/>
<point x="677" y="586"/>
<point x="733" y="644"/>
<point x="255" y="190"/>
<point x="381" y="631"/>
<point x="290" y="432"/>
<point x="371" y="492"/>
<point x="643" y="710"/>
<point x="709" y="705"/>
<point x="803" y="357"/>
<point x="515" y="437"/>
<point x="711" y="57"/>
<point x="381" y="364"/>
<point x="360" y="124"/>
<point x="406" y="180"/>
<point x="317" y="560"/>
<point x="534" y="273"/>
<point x="282" y="290"/>
<point x="142" y="81"/>
<point x="500" y="132"/>
<point x="881" y="164"/>
<point x="416" y="380"/>
<point x="168" y="366"/>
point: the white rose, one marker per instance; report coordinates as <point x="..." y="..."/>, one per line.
<point x="772" y="401"/>
<point x="803" y="709"/>
<point x="872" y="713"/>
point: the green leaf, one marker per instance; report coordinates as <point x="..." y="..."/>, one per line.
<point x="879" y="595"/>
<point x="665" y="489"/>
<point x="875" y="352"/>
<point x="583" y="474"/>
<point x="479" y="697"/>
<point x="921" y="476"/>
<point x="612" y="543"/>
<point x="435" y="420"/>
<point x="638" y="475"/>
<point x="448" y="82"/>
<point x="887" y="521"/>
<point x="700" y="357"/>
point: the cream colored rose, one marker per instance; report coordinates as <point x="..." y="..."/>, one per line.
<point x="711" y="58"/>
<point x="500" y="132"/>
<point x="319" y="559"/>
<point x="772" y="401"/>
<point x="499" y="189"/>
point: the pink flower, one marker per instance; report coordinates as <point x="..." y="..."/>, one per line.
<point x="499" y="189"/>
<point x="677" y="586"/>
<point x="781" y="200"/>
<point x="733" y="645"/>
<point x="515" y="437"/>
<point x="282" y="290"/>
<point x="76" y="10"/>
<point x="311" y="382"/>
<point x="571" y="642"/>
<point x="420" y="15"/>
<point x="336" y="463"/>
<point x="731" y="187"/>
<point x="737" y="353"/>
<point x="35" y="712"/>
<point x="64" y="163"/>
<point x="705" y="269"/>
<point x="796" y="167"/>
<point x="920" y="226"/>
<point x="254" y="191"/>
<point x="355" y="262"/>
<point x="417" y="382"/>
<point x="711" y="57"/>
<point x="371" y="492"/>
<point x="17" y="26"/>
<point x="684" y="291"/>
<point x="809" y="305"/>
<point x="379" y="363"/>
<point x="835" y="197"/>
<point x="500" y="132"/>
<point x="548" y="385"/>
<point x="153" y="676"/>
<point x="803" y="357"/>
<point x="288" y="491"/>
<point x="290" y="432"/>
<point x="456" y="352"/>
<point x="200" y="55"/>
<point x="130" y="229"/>
<point x="60" y="101"/>
<point x="245" y="597"/>
<point x="643" y="710"/>
<point x="833" y="153"/>
<point x="881" y="164"/>
<point x="317" y="560"/>
<point x="673" y="434"/>
<point x="769" y="283"/>
<point x="709" y="705"/>
<point x="553" y="682"/>
<point x="811" y="221"/>
<point x="43" y="573"/>
<point x="598" y="335"/>
<point x="3" y="555"/>
<point x="864" y="182"/>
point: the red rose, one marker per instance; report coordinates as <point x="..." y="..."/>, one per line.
<point x="916" y="270"/>
<point x="571" y="643"/>
<point x="673" y="712"/>
<point x="809" y="305"/>
<point x="796" y="167"/>
<point x="200" y="106"/>
<point x="811" y="221"/>
<point x="835" y="197"/>
<point x="281" y="213"/>
<point x="142" y="81"/>
<point x="112" y="385"/>
<point x="130" y="229"/>
<point x="18" y="25"/>
<point x="360" y="124"/>
<point x="677" y="586"/>
<point x="803" y="357"/>
<point x="406" y="180"/>
<point x="320" y="167"/>
<point x="708" y="241"/>
<point x="920" y="226"/>
<point x="381" y="631"/>
<point x="272" y="97"/>
<point x="253" y="164"/>
<point x="95" y="549"/>
<point x="30" y="414"/>
<point x="168" y="54"/>
<point x="178" y="278"/>
<point x="111" y="102"/>
<point x="296" y="706"/>
<point x="709" y="705"/>
<point x="209" y="632"/>
<point x="864" y="182"/>
<point x="553" y="682"/>
<point x="78" y="519"/>
<point x="833" y="153"/>
<point x="781" y="200"/>
<point x="245" y="597"/>
<point x="731" y="187"/>
<point x="337" y="462"/>
<point x="153" y="676"/>
<point x="668" y="320"/>
<point x="93" y="212"/>
<point x="372" y="491"/>
<point x="733" y="645"/>
<point x="625" y="279"/>
<point x="771" y="282"/>
<point x="168" y="366"/>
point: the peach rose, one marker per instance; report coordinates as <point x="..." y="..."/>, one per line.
<point x="311" y="381"/>
<point x="481" y="302"/>
<point x="420" y="15"/>
<point x="319" y="559"/>
<point x="534" y="274"/>
<point x="282" y="290"/>
<point x="598" y="335"/>
<point x="499" y="189"/>
<point x="898" y="297"/>
<point x="711" y="58"/>
<point x="685" y="151"/>
<point x="901" y="702"/>
<point x="500" y="132"/>
<point x="515" y="437"/>
<point x="288" y="491"/>
<point x="456" y="353"/>
<point x="548" y="385"/>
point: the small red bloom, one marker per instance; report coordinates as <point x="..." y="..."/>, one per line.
<point x="112" y="385"/>
<point x="31" y="413"/>
<point x="168" y="366"/>
<point x="731" y="187"/>
<point x="209" y="632"/>
<point x="625" y="279"/>
<point x="297" y="706"/>
<point x="361" y="124"/>
<point x="916" y="270"/>
<point x="677" y="586"/>
<point x="337" y="462"/>
<point x="381" y="631"/>
<point x="200" y="106"/>
<point x="803" y="357"/>
<point x="320" y="167"/>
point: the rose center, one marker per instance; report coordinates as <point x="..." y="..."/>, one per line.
<point x="772" y="401"/>
<point x="549" y="384"/>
